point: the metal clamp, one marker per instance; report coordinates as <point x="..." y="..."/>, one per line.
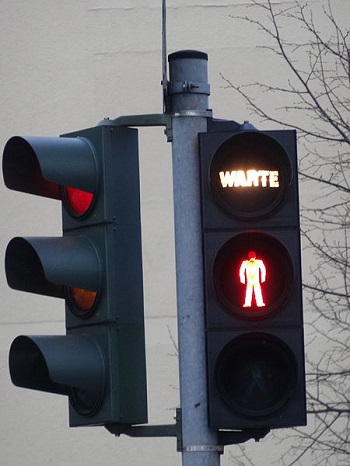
<point x="194" y="113"/>
<point x="204" y="448"/>
<point x="188" y="87"/>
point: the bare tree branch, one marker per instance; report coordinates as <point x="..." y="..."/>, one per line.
<point x="316" y="96"/>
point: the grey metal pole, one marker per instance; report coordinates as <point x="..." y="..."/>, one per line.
<point x="188" y="90"/>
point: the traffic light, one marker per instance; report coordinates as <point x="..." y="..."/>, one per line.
<point x="96" y="267"/>
<point x="253" y="298"/>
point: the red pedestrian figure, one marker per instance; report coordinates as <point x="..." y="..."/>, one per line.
<point x="252" y="272"/>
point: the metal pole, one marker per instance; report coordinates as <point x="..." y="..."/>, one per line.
<point x="188" y="91"/>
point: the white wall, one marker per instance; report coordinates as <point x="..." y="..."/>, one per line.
<point x="65" y="65"/>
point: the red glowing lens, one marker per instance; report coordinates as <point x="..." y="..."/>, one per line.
<point x="252" y="274"/>
<point x="79" y="201"/>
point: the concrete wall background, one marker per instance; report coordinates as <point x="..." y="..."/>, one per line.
<point x="64" y="66"/>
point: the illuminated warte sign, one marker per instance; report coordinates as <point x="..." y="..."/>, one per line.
<point x="249" y="178"/>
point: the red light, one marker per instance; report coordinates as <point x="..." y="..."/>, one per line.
<point x="78" y="201"/>
<point x="252" y="272"/>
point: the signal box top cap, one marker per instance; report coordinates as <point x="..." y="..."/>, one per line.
<point x="181" y="54"/>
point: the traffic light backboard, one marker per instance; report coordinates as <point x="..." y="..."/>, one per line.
<point x="251" y="236"/>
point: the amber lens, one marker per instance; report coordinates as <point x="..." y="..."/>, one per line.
<point x="83" y="300"/>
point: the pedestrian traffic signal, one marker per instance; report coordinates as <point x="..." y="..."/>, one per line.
<point x="96" y="267"/>
<point x="253" y="300"/>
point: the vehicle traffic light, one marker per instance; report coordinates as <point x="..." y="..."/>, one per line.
<point x="253" y="298"/>
<point x="96" y="267"/>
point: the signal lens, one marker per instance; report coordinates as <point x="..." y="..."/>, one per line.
<point x="250" y="174"/>
<point x="85" y="402"/>
<point x="256" y="374"/>
<point x="83" y="301"/>
<point x="252" y="274"/>
<point x="78" y="201"/>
